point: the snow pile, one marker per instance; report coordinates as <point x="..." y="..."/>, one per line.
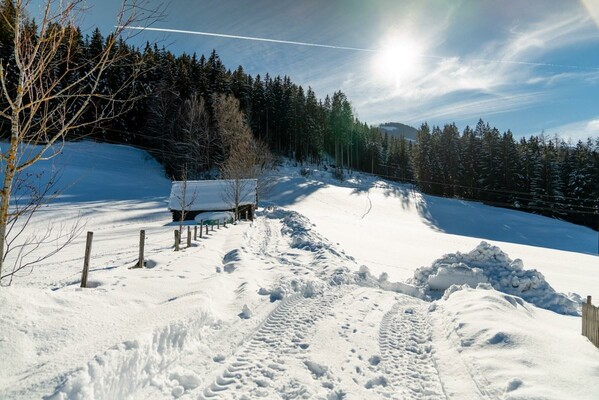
<point x="131" y="365"/>
<point x="286" y="287"/>
<point x="246" y="312"/>
<point x="456" y="273"/>
<point x="489" y="264"/>
<point x="299" y="229"/>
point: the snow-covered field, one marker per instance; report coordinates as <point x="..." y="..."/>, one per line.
<point x="335" y="291"/>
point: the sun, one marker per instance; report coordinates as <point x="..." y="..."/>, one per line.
<point x="398" y="59"/>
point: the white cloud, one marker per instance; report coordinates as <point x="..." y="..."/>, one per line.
<point x="503" y="70"/>
<point x="578" y="130"/>
<point x="451" y="110"/>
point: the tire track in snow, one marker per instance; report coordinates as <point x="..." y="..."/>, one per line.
<point x="405" y="341"/>
<point x="259" y="367"/>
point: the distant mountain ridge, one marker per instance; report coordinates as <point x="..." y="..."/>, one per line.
<point x="398" y="129"/>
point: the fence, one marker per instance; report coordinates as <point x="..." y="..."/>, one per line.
<point x="140" y="263"/>
<point x="590" y="321"/>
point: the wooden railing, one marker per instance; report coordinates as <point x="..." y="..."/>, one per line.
<point x="590" y="321"/>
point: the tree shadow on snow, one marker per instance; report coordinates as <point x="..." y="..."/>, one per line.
<point x="286" y="191"/>
<point x="467" y="218"/>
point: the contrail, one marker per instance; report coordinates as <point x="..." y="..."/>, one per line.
<point x="328" y="46"/>
<point x="255" y="39"/>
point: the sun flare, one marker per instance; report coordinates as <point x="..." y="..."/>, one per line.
<point x="398" y="59"/>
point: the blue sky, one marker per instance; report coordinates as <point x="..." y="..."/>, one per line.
<point x="529" y="66"/>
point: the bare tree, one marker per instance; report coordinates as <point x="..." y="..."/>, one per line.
<point x="238" y="172"/>
<point x="231" y="124"/>
<point x="31" y="192"/>
<point x="47" y="93"/>
<point x="246" y="157"/>
<point x="198" y="141"/>
<point x="183" y="198"/>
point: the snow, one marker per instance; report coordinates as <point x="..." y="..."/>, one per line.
<point x="214" y="216"/>
<point x="512" y="349"/>
<point x="487" y="263"/>
<point x="212" y="195"/>
<point x="393" y="229"/>
<point x="324" y="295"/>
<point x="452" y="274"/>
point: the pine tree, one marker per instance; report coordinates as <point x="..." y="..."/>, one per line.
<point x="470" y="145"/>
<point x="510" y="165"/>
<point x="422" y="158"/>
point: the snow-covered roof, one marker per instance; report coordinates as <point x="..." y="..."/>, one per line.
<point x="212" y="195"/>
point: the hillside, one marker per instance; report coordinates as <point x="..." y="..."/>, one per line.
<point x="322" y="296"/>
<point x="398" y="129"/>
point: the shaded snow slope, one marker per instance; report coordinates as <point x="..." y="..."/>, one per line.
<point x="112" y="190"/>
<point x="88" y="171"/>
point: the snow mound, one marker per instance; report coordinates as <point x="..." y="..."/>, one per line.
<point x="299" y="229"/>
<point x="332" y="267"/>
<point x="316" y="369"/>
<point x="456" y="273"/>
<point x="489" y="264"/>
<point x="131" y="365"/>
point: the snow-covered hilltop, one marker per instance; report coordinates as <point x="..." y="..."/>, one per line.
<point x="337" y="290"/>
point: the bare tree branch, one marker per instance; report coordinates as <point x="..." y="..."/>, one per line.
<point x="49" y="93"/>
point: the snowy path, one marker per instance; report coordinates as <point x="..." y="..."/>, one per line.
<point x="259" y="368"/>
<point x="292" y="351"/>
<point x="337" y="344"/>
<point x="406" y="346"/>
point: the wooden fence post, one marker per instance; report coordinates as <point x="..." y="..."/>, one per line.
<point x="590" y="321"/>
<point x="142" y="243"/>
<point x="177" y="233"/>
<point x="189" y="236"/>
<point x="218" y="222"/>
<point x="206" y="229"/>
<point x="88" y="250"/>
<point x="225" y="222"/>
<point x="201" y="227"/>
<point x="585" y="310"/>
<point x="246" y="215"/>
<point x="195" y="232"/>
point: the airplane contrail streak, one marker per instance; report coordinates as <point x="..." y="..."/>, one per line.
<point x="255" y="39"/>
<point x="328" y="46"/>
